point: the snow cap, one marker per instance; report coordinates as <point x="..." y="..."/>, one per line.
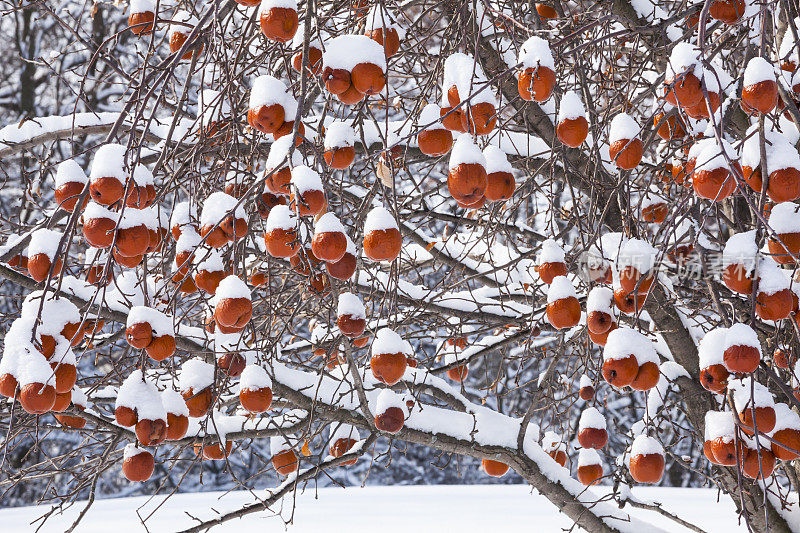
<point x="588" y="457"/>
<point x="281" y="217"/>
<point x="758" y="69"/>
<point x="742" y="397"/>
<point x="465" y="152"/>
<point x="347" y="51"/>
<point x="109" y="162"/>
<point x="591" y="418"/>
<point x="600" y="299"/>
<point x="430" y="117"/>
<point x="44" y="241"/>
<point x="268" y="90"/>
<point x="622" y="127"/>
<point x="741" y="249"/>
<point x="339" y="134"/>
<point x="536" y="52"/>
<point x="278" y="153"/>
<point x="328" y="223"/>
<point x="196" y="374"/>
<point x="711" y="349"/>
<point x="559" y="289"/>
<point x="173" y="402"/>
<point x="719" y="424"/>
<point x="306" y="179"/>
<point x="388" y="341"/>
<point x="551" y="252"/>
<point x="255" y="377"/>
<point x="646" y="445"/>
<point x="388" y="398"/>
<point x="624" y="341"/>
<point x="571" y="107"/>
<point x="379" y="218"/>
<point x="69" y="171"/>
<point x="350" y="304"/>
<point x="232" y="287"/>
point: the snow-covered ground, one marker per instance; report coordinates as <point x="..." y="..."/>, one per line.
<point x="461" y="508"/>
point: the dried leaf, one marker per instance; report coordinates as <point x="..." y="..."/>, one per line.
<point x="305" y="450"/>
<point x="385" y="175"/>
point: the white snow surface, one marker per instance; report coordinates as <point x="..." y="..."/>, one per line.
<point x="747" y="393"/>
<point x="79" y="398"/>
<point x="217" y="206"/>
<point x="159" y="322"/>
<point x="32" y="367"/>
<point x="209" y="260"/>
<point x="387" y="399"/>
<point x="142" y="6"/>
<point x="57" y="312"/>
<point x="784" y="218"/>
<point x="278" y="153"/>
<point x="683" y="57"/>
<point x="430" y="117"/>
<point x="29" y="129"/>
<point x="132" y="450"/>
<point x="712" y="156"/>
<point x="741" y="335"/>
<point x="381" y="18"/>
<point x="496" y="160"/>
<point x="741" y="249"/>
<point x="638" y="254"/>
<point x="132" y="217"/>
<point x="785" y="418"/>
<point x="232" y="287"/>
<point x="588" y="457"/>
<point x="771" y="278"/>
<point x="463" y="71"/>
<point x="719" y="424"/>
<point x="172" y="400"/>
<point x="188" y="241"/>
<point x="143" y="176"/>
<point x="344" y="431"/>
<point x="266" y="5"/>
<point x="551" y="252"/>
<point x="183" y="213"/>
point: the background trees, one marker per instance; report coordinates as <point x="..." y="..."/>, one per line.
<point x="209" y="164"/>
